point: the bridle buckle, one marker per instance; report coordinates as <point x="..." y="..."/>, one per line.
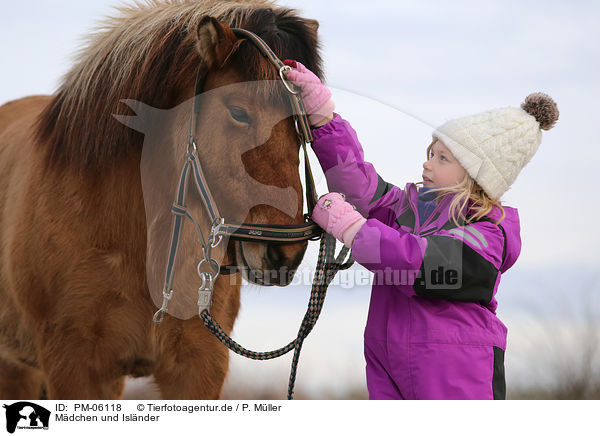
<point x="289" y="86"/>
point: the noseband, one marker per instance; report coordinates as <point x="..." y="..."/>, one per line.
<point x="327" y="264"/>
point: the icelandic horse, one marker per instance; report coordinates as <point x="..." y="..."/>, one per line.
<point x="84" y="244"/>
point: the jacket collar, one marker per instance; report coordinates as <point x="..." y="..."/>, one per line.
<point x="437" y="218"/>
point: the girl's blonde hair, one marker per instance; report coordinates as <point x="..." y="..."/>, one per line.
<point x="468" y="190"/>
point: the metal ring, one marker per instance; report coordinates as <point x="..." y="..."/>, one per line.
<point x="217" y="269"/>
<point x="193" y="145"/>
<point x="159" y="316"/>
<point x="285" y="80"/>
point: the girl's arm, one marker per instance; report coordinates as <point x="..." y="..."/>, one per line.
<point x="339" y="152"/>
<point x="462" y="264"/>
<point x="342" y="160"/>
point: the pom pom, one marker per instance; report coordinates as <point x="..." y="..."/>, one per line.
<point x="543" y="108"/>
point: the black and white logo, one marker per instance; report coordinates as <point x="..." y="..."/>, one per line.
<point x="26" y="415"/>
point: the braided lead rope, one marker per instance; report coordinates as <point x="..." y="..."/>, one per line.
<point x="212" y="324"/>
<point x="316" y="302"/>
<point x="215" y="328"/>
<point x="325" y="271"/>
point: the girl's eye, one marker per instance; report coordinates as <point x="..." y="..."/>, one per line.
<point x="443" y="158"/>
<point x="239" y="115"/>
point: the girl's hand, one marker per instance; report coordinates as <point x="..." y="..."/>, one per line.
<point x="315" y="96"/>
<point x="338" y="217"/>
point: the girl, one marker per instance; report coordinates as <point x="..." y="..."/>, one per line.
<point x="437" y="253"/>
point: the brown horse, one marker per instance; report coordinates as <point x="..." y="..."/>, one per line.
<point x="84" y="236"/>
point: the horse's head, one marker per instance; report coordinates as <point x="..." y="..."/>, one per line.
<point x="250" y="149"/>
<point x="148" y="59"/>
<point x="247" y="145"/>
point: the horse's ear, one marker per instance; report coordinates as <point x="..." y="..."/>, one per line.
<point x="313" y="25"/>
<point x="216" y="42"/>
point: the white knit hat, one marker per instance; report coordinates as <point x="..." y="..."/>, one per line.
<point x="494" y="146"/>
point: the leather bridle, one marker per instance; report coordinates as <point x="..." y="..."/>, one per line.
<point x="262" y="232"/>
<point x="267" y="233"/>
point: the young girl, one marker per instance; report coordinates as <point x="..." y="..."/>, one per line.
<point x="437" y="253"/>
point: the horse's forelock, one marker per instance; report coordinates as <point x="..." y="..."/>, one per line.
<point x="148" y="54"/>
<point x="288" y="35"/>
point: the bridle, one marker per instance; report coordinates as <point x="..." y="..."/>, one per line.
<point x="260" y="232"/>
<point x="327" y="265"/>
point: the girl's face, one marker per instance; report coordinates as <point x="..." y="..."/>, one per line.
<point x="442" y="169"/>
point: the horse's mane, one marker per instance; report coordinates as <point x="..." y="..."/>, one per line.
<point x="148" y="53"/>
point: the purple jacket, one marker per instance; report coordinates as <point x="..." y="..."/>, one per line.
<point x="433" y="283"/>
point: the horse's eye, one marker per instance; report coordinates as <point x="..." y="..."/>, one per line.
<point x="239" y="115"/>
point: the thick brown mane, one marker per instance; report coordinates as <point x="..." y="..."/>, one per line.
<point x="148" y="54"/>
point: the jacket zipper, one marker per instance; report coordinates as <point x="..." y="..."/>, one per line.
<point x="415" y="213"/>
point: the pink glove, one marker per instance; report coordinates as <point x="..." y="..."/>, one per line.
<point x="338" y="217"/>
<point x="315" y="96"/>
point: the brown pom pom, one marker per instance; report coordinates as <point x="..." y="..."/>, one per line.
<point x="543" y="108"/>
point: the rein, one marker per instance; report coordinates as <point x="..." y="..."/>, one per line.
<point x="327" y="263"/>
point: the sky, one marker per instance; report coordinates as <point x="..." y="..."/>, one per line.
<point x="399" y="69"/>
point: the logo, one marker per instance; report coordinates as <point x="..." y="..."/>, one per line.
<point x="26" y="415"/>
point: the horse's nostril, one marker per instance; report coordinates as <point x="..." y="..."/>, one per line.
<point x="275" y="254"/>
<point x="281" y="255"/>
